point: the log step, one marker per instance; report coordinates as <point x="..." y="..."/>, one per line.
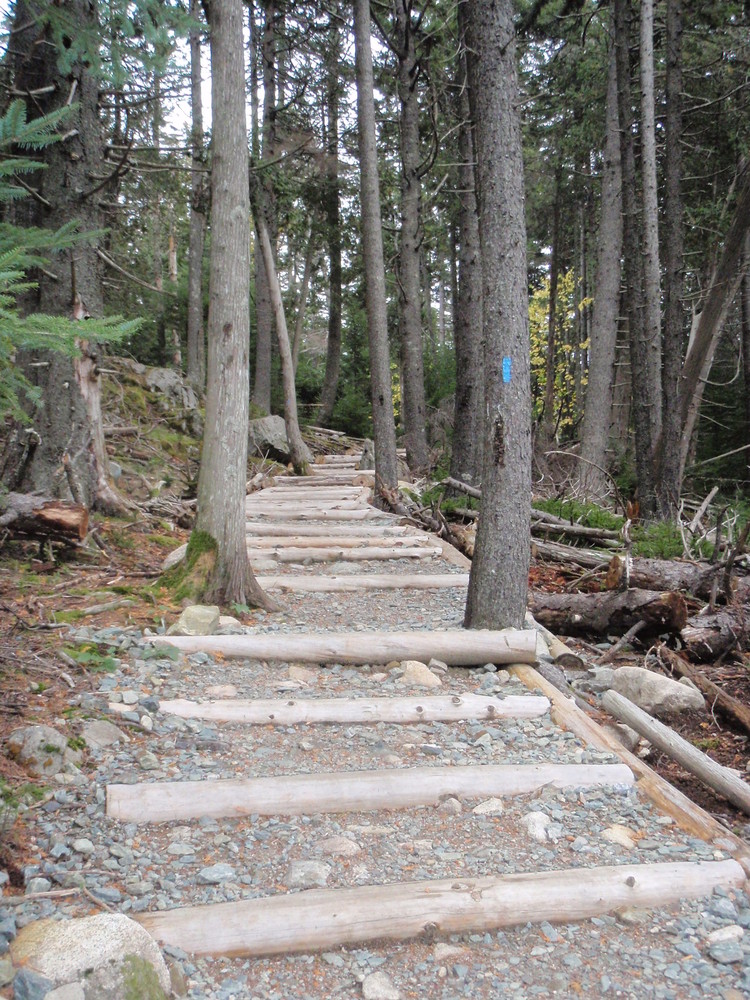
<point x="331" y="554"/>
<point x="457" y="647"/>
<point x="368" y="581"/>
<point x="347" y="791"/>
<point x="317" y="919"/>
<point x="386" y="529"/>
<point x="288" y="712"/>
<point x="322" y="514"/>
<point x="266" y="542"/>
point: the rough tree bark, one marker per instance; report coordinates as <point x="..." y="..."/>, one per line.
<point x="499" y="573"/>
<point x="64" y="456"/>
<point x="223" y="472"/>
<point x="410" y="241"/>
<point x="548" y="421"/>
<point x="384" y="429"/>
<point x="466" y="453"/>
<point x="196" y="346"/>
<point x="745" y="304"/>
<point x="597" y="412"/>
<point x="332" y="221"/>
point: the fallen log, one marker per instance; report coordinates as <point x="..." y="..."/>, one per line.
<point x="348" y="791"/>
<point x="365" y="581"/>
<point x="345" y="711"/>
<point x="328" y="918"/>
<point x="715" y="775"/>
<point x="265" y="542"/>
<point x="665" y="574"/>
<point x="711" y="636"/>
<point x="558" y="552"/>
<point x="342" y="553"/>
<point x="717" y="696"/>
<point x="457" y="647"/>
<point x="362" y="531"/>
<point x="29" y="516"/>
<point x="609" y="613"/>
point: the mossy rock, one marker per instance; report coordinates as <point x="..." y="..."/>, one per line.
<point x="188" y="580"/>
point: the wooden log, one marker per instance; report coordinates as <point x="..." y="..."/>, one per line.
<point x="348" y="791"/>
<point x="609" y="613"/>
<point x="557" y="552"/>
<point x="361" y="554"/>
<point x="253" y="506"/>
<point x="387" y="529"/>
<point x="458" y="647"/>
<point x="370" y="581"/>
<point x="717" y="696"/>
<point x="715" y="775"/>
<point x="318" y="493"/>
<point x="306" y="482"/>
<point x="688" y="816"/>
<point x="665" y="574"/>
<point x="562" y="655"/>
<point x="334" y="541"/>
<point x="29" y="516"/>
<point x="425" y="708"/>
<point x="315" y="919"/>
<point x="279" y="514"/>
<point x="339" y="459"/>
<point x="709" y="636"/>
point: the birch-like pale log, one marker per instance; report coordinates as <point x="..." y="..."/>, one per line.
<point x="339" y="459"/>
<point x="715" y="775"/>
<point x="306" y="481"/>
<point x="366" y="581"/>
<point x="302" y="506"/>
<point x="362" y="531"/>
<point x="280" y="514"/>
<point x="312" y="492"/>
<point x="331" y="472"/>
<point x="348" y="791"/>
<point x="291" y="712"/>
<point x="688" y="815"/>
<point x="458" y="647"/>
<point x="333" y="541"/>
<point x="328" y="918"/>
<point x="331" y="554"/>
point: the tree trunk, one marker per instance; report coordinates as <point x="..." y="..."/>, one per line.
<point x="650" y="255"/>
<point x="298" y="452"/>
<point x="746" y="342"/>
<point x="709" y="323"/>
<point x="668" y="472"/>
<point x="467" y="447"/>
<point x="333" y="224"/>
<point x="221" y="482"/>
<point x="299" y="320"/>
<point x="499" y="572"/>
<point x="645" y="402"/>
<point x="597" y="413"/>
<point x="65" y="455"/>
<point x="263" y="305"/>
<point x="548" y="421"/>
<point x="409" y="285"/>
<point x="384" y="430"/>
<point x="196" y="346"/>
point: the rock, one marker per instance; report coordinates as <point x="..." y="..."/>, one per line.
<point x="41" y="750"/>
<point x="342" y="846"/>
<point x="174" y="557"/>
<point x="29" y="985"/>
<point x="221" y="691"/>
<point x="297" y="672"/>
<point x="490" y="807"/>
<point x="379" y="986"/>
<point x="437" y="666"/>
<point x="100" y="733"/>
<point x="71" y="991"/>
<point x="307" y="874"/>
<point x="216" y="874"/>
<point x="170" y="384"/>
<point x="83" y="846"/>
<point x="6" y="972"/>
<point x="108" y="943"/>
<point x="726" y="952"/>
<point x="198" y="619"/>
<point x="266" y="437"/>
<point x="732" y="932"/>
<point x="596" y="679"/>
<point x="443" y="951"/>
<point x="451" y="806"/>
<point x="623" y="734"/>
<point x="536" y="824"/>
<point x="656" y="694"/>
<point x="617" y="834"/>
<point x="418" y="674"/>
<point x="148" y="761"/>
<point x="367" y="461"/>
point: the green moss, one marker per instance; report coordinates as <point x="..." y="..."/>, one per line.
<point x="189" y="578"/>
<point x="590" y="515"/>
<point x="660" y="540"/>
<point x="139" y="980"/>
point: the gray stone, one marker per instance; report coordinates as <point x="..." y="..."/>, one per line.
<point x="71" y="991"/>
<point x="174" y="557"/>
<point x="266" y="437"/>
<point x="63" y="950"/>
<point x="418" y="674"/>
<point x="367" y="460"/>
<point x="726" y="952"/>
<point x="216" y="874"/>
<point x="100" y="733"/>
<point x="198" y="619"/>
<point x="83" y="846"/>
<point x="30" y="985"/>
<point x="41" y="750"/>
<point x="342" y="846"/>
<point x="536" y="825"/>
<point x="307" y="874"/>
<point x="6" y="972"/>
<point x="656" y="694"/>
<point x="379" y="986"/>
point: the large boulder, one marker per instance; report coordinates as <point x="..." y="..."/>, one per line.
<point x="109" y="955"/>
<point x="198" y="619"/>
<point x="655" y="693"/>
<point x="177" y="399"/>
<point x="266" y="438"/>
<point x="41" y="750"/>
